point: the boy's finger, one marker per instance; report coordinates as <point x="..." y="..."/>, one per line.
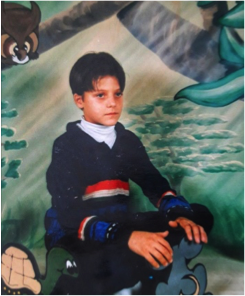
<point x="166" y="245"/>
<point x="166" y="253"/>
<point x="196" y="233"/>
<point x="163" y="234"/>
<point x="204" y="237"/>
<point x="173" y="223"/>
<point x="151" y="260"/>
<point x="188" y="232"/>
<point x="162" y="259"/>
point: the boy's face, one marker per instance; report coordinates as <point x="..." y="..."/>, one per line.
<point x="104" y="104"/>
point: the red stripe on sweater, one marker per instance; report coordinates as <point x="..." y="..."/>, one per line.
<point x="82" y="227"/>
<point x="164" y="194"/>
<point x="107" y="185"/>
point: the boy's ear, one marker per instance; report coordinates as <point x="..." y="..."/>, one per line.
<point x="78" y="99"/>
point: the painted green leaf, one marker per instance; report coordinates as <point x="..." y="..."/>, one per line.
<point x="142" y="130"/>
<point x="3" y="184"/>
<point x="9" y="114"/>
<point x="141" y="110"/>
<point x="216" y="94"/>
<point x="16" y="145"/>
<point x="215" y="84"/>
<point x="234" y="18"/>
<point x="12" y="169"/>
<point x="165" y="125"/>
<point x="8" y="132"/>
<point x="3" y="161"/>
<point x="205" y="3"/>
<point x="159" y="153"/>
<point x="202" y="120"/>
<point x="173" y="141"/>
<point x="4" y="105"/>
<point x="156" y="130"/>
<point x="231" y="47"/>
<point x="180" y="170"/>
<point x="175" y="111"/>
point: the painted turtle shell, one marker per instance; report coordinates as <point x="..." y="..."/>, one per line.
<point x="18" y="271"/>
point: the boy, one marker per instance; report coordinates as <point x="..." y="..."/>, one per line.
<point x="88" y="180"/>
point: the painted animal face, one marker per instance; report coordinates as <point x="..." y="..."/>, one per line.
<point x="19" y="33"/>
<point x="62" y="262"/>
<point x="71" y="268"/>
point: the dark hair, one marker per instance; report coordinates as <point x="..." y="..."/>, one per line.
<point x="92" y="66"/>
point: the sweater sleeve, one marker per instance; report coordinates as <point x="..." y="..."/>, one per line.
<point x="154" y="185"/>
<point x="143" y="173"/>
<point x="65" y="186"/>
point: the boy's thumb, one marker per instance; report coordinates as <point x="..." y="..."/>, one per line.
<point x="173" y="223"/>
<point x="163" y="234"/>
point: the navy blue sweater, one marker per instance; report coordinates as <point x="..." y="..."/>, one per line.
<point x="88" y="181"/>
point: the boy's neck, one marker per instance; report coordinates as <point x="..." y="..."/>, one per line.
<point x="99" y="133"/>
<point x="95" y="126"/>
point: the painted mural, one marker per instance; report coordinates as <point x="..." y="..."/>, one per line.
<point x="184" y="67"/>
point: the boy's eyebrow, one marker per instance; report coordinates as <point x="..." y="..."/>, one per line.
<point x="98" y="90"/>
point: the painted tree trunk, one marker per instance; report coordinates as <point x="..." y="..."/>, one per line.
<point x="70" y="22"/>
<point x="181" y="45"/>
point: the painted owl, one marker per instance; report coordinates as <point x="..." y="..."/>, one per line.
<point x="19" y="33"/>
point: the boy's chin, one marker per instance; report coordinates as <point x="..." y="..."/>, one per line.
<point x="105" y="123"/>
<point x="109" y="122"/>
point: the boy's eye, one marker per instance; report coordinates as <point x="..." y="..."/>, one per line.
<point x="99" y="95"/>
<point x="119" y="94"/>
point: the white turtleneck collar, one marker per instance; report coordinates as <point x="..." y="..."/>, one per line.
<point x="100" y="133"/>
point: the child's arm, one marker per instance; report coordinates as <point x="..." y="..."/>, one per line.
<point x="153" y="184"/>
<point x="65" y="186"/>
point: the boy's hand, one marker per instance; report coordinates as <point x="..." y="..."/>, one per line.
<point x="192" y="230"/>
<point x="152" y="246"/>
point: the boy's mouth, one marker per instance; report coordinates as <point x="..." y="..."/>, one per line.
<point x="112" y="113"/>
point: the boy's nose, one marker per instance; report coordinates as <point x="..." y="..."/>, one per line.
<point x="111" y="102"/>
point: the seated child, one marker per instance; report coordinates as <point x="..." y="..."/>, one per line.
<point x="88" y="179"/>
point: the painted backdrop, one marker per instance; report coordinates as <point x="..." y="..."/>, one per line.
<point x="183" y="98"/>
